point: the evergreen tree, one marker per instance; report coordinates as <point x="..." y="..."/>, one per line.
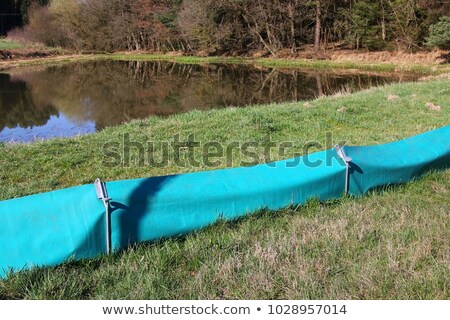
<point x="440" y="34"/>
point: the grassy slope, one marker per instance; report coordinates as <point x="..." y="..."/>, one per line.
<point x="391" y="244"/>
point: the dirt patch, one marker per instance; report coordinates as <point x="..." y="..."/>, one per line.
<point x="392" y="97"/>
<point x="29" y="62"/>
<point x="306" y="53"/>
<point x="439" y="188"/>
<point x="432" y="106"/>
<point x="438" y="77"/>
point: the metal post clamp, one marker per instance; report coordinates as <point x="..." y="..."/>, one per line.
<point x="102" y="194"/>
<point x="341" y="153"/>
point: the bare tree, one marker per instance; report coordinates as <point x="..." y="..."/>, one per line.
<point x="318" y="25"/>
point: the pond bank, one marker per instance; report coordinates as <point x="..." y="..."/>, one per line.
<point x="340" y="61"/>
<point x="377" y="115"/>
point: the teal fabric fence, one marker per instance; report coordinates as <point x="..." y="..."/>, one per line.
<point x="398" y="162"/>
<point x="50" y="228"/>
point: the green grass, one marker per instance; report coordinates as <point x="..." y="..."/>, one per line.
<point x="28" y="54"/>
<point x="291" y="63"/>
<point x="9" y="44"/>
<point x="391" y="244"/>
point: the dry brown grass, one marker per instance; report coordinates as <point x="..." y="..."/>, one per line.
<point x="398" y="57"/>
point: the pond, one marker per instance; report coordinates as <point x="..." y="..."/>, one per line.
<point x="81" y="98"/>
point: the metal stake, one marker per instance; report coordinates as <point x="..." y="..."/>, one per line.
<point x="347" y="160"/>
<point x="102" y="194"/>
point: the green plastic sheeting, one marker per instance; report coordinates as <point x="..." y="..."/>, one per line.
<point x="398" y="162"/>
<point x="159" y="207"/>
<point x="49" y="228"/>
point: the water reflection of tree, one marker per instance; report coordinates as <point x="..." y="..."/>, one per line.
<point x="18" y="108"/>
<point x="111" y="92"/>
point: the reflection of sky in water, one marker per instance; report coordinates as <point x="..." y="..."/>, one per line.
<point x="80" y="98"/>
<point x="56" y="127"/>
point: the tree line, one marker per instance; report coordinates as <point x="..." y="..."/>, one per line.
<point x="235" y="26"/>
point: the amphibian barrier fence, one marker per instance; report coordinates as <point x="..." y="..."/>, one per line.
<point x="52" y="227"/>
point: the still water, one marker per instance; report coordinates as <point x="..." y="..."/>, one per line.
<point x="81" y="98"/>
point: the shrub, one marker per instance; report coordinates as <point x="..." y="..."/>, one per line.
<point x="440" y="34"/>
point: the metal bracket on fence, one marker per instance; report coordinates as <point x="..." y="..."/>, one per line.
<point x="341" y="153"/>
<point x="102" y="194"/>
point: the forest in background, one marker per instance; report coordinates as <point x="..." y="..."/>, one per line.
<point x="236" y="27"/>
